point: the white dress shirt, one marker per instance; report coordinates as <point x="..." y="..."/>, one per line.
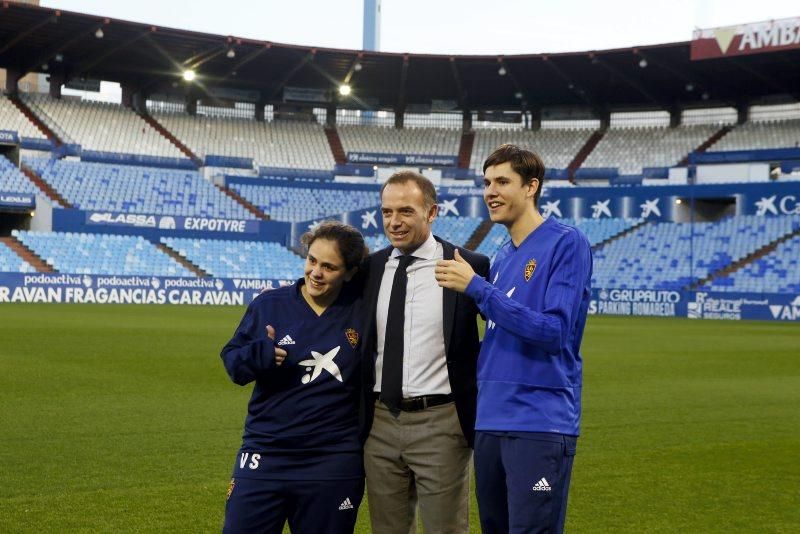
<point x="424" y="359"/>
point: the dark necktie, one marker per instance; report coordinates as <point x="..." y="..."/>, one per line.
<point x="392" y="375"/>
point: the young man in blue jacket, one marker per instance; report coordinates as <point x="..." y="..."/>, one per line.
<point x="529" y="367"/>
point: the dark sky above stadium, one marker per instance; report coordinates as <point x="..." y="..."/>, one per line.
<point x="449" y="26"/>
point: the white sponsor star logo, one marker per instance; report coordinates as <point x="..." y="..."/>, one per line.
<point x="368" y="219"/>
<point x="551" y="208"/>
<point x="601" y="208"/>
<point x="650" y="207"/>
<point x="448" y="206"/>
<point x="766" y="205"/>
<point x="320" y="362"/>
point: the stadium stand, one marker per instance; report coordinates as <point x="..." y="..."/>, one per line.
<point x="599" y="230"/>
<point x="456" y="230"/>
<point x="13" y="181"/>
<point x="775" y="272"/>
<point x="674" y="255"/>
<point x="596" y="230"/>
<point x="632" y="149"/>
<point x="761" y="135"/>
<point x="376" y="242"/>
<point x="493" y="241"/>
<point x="11" y="119"/>
<point x="629" y="253"/>
<point x="431" y="141"/>
<point x="294" y="145"/>
<point x="100" y="126"/>
<point x="80" y="253"/>
<point x="133" y="189"/>
<point x="296" y="204"/>
<point x="558" y="147"/>
<point x="239" y="259"/>
<point x="10" y="262"/>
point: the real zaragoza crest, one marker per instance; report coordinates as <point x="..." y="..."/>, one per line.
<point x="529" y="268"/>
<point x="352" y="337"/>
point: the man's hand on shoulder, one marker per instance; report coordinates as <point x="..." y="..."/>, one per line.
<point x="454" y="274"/>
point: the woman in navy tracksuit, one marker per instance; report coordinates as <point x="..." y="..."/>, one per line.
<point x="301" y="456"/>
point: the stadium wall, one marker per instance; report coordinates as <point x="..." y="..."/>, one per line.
<point x="130" y="289"/>
<point x="370" y="221"/>
<point x="115" y="289"/>
<point x="662" y="203"/>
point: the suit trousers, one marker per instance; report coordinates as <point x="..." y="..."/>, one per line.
<point x="417" y="458"/>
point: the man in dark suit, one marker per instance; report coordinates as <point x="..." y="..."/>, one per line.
<point x="420" y="371"/>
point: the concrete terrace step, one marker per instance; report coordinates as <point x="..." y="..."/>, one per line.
<point x="27" y="254"/>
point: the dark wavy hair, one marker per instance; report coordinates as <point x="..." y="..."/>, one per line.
<point x="348" y="240"/>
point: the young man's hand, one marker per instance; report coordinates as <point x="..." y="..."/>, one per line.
<point x="454" y="274"/>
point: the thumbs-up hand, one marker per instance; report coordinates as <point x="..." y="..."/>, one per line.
<point x="454" y="274"/>
<point x="280" y="354"/>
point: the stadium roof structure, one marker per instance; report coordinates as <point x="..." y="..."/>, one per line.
<point x="151" y="59"/>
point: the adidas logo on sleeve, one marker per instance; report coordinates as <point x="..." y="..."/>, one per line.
<point x="346" y="504"/>
<point x="542" y="485"/>
<point x="287" y="340"/>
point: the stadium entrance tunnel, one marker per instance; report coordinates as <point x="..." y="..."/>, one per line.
<point x="10" y="152"/>
<point x="11" y="219"/>
<point x="704" y="209"/>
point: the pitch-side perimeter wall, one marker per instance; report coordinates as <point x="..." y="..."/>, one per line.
<point x="114" y="289"/>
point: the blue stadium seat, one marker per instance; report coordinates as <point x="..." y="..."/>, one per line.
<point x="673" y="255"/>
<point x="297" y="204"/>
<point x="11" y="263"/>
<point x="776" y="272"/>
<point x="13" y="181"/>
<point x="133" y="189"/>
<point x="456" y="230"/>
<point x="239" y="259"/>
<point x="596" y="230"/>
<point x="78" y="253"/>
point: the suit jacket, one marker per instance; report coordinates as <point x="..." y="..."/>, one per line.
<point x="460" y="331"/>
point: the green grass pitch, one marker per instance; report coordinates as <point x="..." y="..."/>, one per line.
<point x="121" y="418"/>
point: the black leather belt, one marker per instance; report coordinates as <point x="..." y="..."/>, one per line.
<point x="415" y="404"/>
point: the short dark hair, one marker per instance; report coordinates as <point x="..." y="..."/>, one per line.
<point x="349" y="241"/>
<point x="425" y="185"/>
<point x="524" y="162"/>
